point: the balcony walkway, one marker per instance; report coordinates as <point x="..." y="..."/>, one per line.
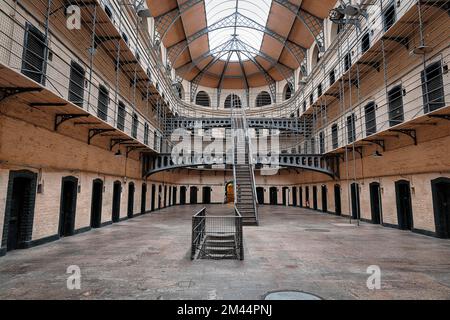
<point x="293" y="249"/>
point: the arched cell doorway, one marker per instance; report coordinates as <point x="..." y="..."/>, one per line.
<point x="355" y="201"/>
<point x="143" y="198"/>
<point x="229" y="192"/>
<point x="117" y="190"/>
<point x="96" y="203"/>
<point x="19" y="211"/>
<point x="260" y="194"/>
<point x="273" y="192"/>
<point x="69" y="192"/>
<point x="375" y="202"/>
<point x="441" y="204"/>
<point x="193" y="195"/>
<point x="404" y="205"/>
<point x="337" y="200"/>
<point x="183" y="191"/>
<point x="130" y="208"/>
<point x="206" y="195"/>
<point x="324" y="198"/>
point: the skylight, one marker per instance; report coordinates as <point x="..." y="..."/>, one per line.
<point x="216" y="10"/>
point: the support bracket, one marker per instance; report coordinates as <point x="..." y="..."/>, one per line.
<point x="412" y="133"/>
<point x="6" y="92"/>
<point x="380" y="143"/>
<point x="440" y="116"/>
<point x="96" y="132"/>
<point x="115" y="142"/>
<point x="132" y="148"/>
<point x="401" y="40"/>
<point x="61" y="118"/>
<point x="47" y="104"/>
<point x="374" y="64"/>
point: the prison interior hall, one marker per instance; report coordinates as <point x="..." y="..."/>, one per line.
<point x="313" y="165"/>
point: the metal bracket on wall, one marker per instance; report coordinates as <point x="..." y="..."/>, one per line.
<point x="47" y="104"/>
<point x="132" y="148"/>
<point x="440" y="116"/>
<point x="408" y="132"/>
<point x="61" y="118"/>
<point x="96" y="132"/>
<point x="374" y="64"/>
<point x="380" y="143"/>
<point x="6" y="92"/>
<point x="401" y="40"/>
<point x="334" y="95"/>
<point x="115" y="142"/>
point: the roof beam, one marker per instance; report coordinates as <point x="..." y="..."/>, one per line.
<point x="241" y="21"/>
<point x="312" y="23"/>
<point x="270" y="81"/>
<point x="165" y="21"/>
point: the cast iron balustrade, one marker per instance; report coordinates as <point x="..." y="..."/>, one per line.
<point x="318" y="163"/>
<point x="283" y="124"/>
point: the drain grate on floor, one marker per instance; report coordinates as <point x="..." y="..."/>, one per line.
<point x="291" y="295"/>
<point x="317" y="230"/>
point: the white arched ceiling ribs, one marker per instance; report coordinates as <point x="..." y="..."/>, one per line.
<point x="270" y="81"/>
<point x="244" y="75"/>
<point x="196" y="81"/>
<point x="312" y="23"/>
<point x="165" y="21"/>
<point x="238" y="20"/>
<point x="238" y="46"/>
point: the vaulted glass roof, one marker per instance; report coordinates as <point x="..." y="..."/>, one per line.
<point x="216" y="10"/>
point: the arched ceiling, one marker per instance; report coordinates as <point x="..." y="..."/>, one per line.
<point x="237" y="44"/>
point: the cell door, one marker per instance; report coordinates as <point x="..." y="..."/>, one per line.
<point x="375" y="202"/>
<point x="19" y="210"/>
<point x="206" y="195"/>
<point x="404" y="206"/>
<point x="174" y="196"/>
<point x="260" y="194"/>
<point x="68" y="206"/>
<point x="300" y="189"/>
<point x="153" y="197"/>
<point x="294" y="196"/>
<point x="130" y="207"/>
<point x="337" y="200"/>
<point x="441" y="205"/>
<point x="273" y="196"/>
<point x="96" y="203"/>
<point x="324" y="199"/>
<point x="356" y="207"/>
<point x="183" y="191"/>
<point x="117" y="190"/>
<point x="143" y="198"/>
<point x="315" y="198"/>
<point x="193" y="195"/>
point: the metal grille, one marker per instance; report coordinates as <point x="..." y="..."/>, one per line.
<point x="217" y="237"/>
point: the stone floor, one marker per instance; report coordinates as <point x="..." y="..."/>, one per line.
<point x="293" y="249"/>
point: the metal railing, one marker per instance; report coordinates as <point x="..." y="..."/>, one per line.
<point x="217" y="237"/>
<point x="251" y="163"/>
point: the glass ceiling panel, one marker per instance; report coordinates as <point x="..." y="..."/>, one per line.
<point x="216" y="10"/>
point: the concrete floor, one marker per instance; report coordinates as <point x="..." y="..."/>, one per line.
<point x="293" y="249"/>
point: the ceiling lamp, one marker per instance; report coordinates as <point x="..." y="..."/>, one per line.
<point x="352" y="10"/>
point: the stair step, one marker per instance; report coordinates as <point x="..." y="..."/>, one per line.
<point x="220" y="237"/>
